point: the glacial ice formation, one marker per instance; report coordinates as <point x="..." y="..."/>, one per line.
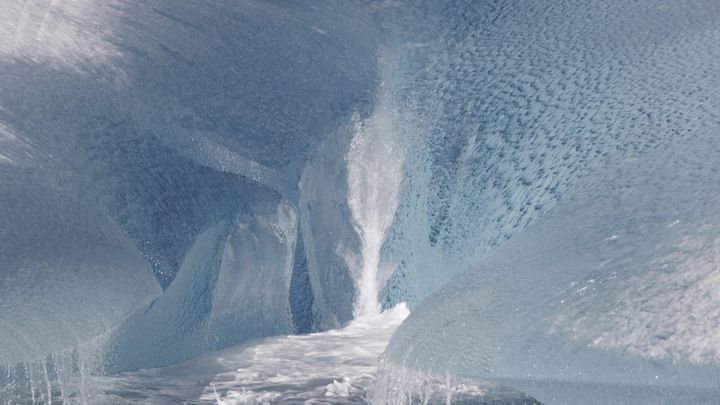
<point x="232" y="286"/>
<point x="601" y="120"/>
<point x="609" y="298"/>
<point x="69" y="273"/>
<point x="170" y="138"/>
<point x="177" y="177"/>
<point x="516" y="102"/>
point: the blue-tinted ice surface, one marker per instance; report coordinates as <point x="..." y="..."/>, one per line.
<point x="611" y="297"/>
<point x="169" y="138"/>
<point x="600" y="119"/>
<point x="515" y="102"/>
<point x="69" y="273"/>
<point x="232" y="286"/>
<point x="174" y="179"/>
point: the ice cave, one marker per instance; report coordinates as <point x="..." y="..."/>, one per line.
<point x="375" y="202"/>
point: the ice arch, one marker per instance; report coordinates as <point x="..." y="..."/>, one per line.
<point x="134" y="134"/>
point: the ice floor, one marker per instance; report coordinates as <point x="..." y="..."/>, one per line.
<point x="337" y="366"/>
<point x="334" y="367"/>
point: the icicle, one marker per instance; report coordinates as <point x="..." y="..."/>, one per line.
<point x="47" y="383"/>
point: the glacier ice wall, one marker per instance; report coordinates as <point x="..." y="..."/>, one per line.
<point x="324" y="212"/>
<point x="69" y="273"/>
<point x="159" y="138"/>
<point x="613" y="291"/>
<point x="598" y="122"/>
<point x="232" y="286"/>
<point x="515" y="103"/>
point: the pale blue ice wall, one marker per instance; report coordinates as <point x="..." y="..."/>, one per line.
<point x="596" y="126"/>
<point x="514" y="102"/>
<point x="172" y="135"/>
<point x="611" y="298"/>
